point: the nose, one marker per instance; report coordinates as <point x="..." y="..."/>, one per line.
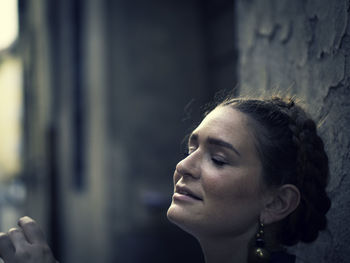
<point x="189" y="166"/>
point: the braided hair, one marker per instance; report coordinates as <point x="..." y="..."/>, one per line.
<point x="291" y="153"/>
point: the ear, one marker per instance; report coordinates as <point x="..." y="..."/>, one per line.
<point x="280" y="204"/>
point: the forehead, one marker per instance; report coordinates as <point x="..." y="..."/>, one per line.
<point x="230" y="125"/>
<point x="223" y="118"/>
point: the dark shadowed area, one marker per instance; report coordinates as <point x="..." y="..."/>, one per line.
<point x="97" y="97"/>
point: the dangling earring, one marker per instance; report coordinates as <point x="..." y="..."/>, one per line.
<point x="258" y="253"/>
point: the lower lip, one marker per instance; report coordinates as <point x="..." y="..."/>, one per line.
<point x="185" y="198"/>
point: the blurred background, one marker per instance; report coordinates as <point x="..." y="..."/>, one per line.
<point x="96" y="97"/>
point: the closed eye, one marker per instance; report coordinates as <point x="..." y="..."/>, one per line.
<point x="218" y="162"/>
<point x="189" y="150"/>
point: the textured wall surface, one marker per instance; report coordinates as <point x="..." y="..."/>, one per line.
<point x="303" y="47"/>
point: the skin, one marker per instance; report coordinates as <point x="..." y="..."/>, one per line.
<point x="222" y="174"/>
<point x="25" y="244"/>
<point x="227" y="181"/>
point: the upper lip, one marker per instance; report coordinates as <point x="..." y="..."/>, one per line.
<point x="181" y="189"/>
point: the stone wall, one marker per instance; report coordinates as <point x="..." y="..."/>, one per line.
<point x="302" y="48"/>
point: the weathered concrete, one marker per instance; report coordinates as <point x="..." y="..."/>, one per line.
<point x="302" y="48"/>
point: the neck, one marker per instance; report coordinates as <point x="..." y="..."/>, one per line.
<point x="225" y="249"/>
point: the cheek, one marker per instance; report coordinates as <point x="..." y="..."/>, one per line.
<point x="236" y="185"/>
<point x="232" y="203"/>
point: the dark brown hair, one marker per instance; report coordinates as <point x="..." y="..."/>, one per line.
<point x="291" y="152"/>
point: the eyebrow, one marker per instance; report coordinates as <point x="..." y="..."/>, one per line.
<point x="214" y="141"/>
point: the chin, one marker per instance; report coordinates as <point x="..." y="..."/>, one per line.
<point x="178" y="216"/>
<point x="172" y="214"/>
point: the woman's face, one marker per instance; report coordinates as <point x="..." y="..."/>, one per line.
<point x="217" y="187"/>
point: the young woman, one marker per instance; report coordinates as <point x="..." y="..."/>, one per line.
<point x="253" y="182"/>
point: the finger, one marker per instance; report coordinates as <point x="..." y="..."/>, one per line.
<point x="17" y="237"/>
<point x="7" y="250"/>
<point x="31" y="230"/>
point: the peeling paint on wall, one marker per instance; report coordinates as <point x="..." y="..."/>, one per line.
<point x="303" y="47"/>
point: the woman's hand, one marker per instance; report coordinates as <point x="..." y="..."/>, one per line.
<point x="25" y="244"/>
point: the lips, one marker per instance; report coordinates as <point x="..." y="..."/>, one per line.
<point x="183" y="190"/>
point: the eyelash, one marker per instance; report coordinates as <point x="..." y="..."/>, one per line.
<point x="216" y="162"/>
<point x="187" y="152"/>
